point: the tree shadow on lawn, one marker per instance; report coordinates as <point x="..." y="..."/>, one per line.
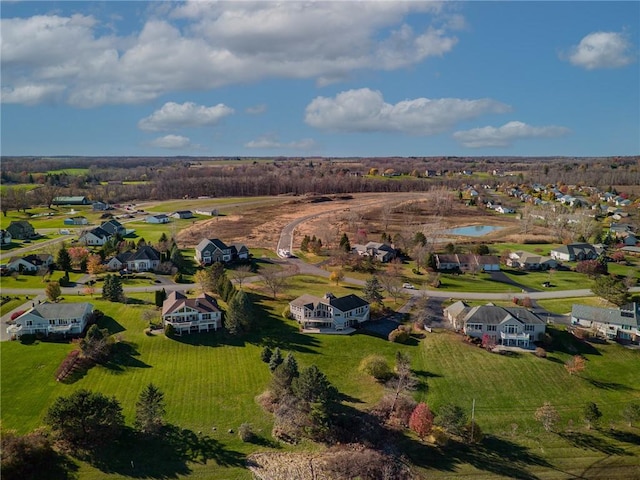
<point x="587" y="441"/>
<point x="123" y="356"/>
<point x="495" y="455"/>
<point x="164" y="456"/>
<point x="608" y="385"/>
<point x="110" y="324"/>
<point x="623" y="436"/>
<point x="563" y="341"/>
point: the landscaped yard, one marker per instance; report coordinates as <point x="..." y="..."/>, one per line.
<point x="559" y="279"/>
<point x="36" y="281"/>
<point x="211" y="381"/>
<point x="468" y="282"/>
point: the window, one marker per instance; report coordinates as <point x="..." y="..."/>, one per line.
<point x="491" y="328"/>
<point x="529" y="328"/>
<point x="474" y="326"/>
<point x="511" y="329"/>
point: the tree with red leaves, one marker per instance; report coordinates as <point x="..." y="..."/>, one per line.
<point x="421" y="420"/>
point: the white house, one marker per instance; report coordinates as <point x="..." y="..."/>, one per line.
<point x="144" y="259"/>
<point x="5" y="237"/>
<point x="502" y="209"/>
<point x="48" y="318"/>
<point x="517" y="327"/>
<point x="530" y="261"/>
<point x="575" y="252"/>
<point x="191" y="315"/>
<point x="182" y="214"/>
<point x="329" y="312"/>
<point x="30" y="263"/>
<point x="614" y="323"/>
<point x="94" y="237"/>
<point x="161" y="218"/>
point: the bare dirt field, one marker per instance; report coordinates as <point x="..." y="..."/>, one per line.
<point x="364" y="217"/>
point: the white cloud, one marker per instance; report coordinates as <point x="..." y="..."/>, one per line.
<point x="175" y="115"/>
<point x="365" y="110"/>
<point x="204" y="45"/>
<point x="272" y="142"/>
<point x="507" y="133"/>
<point x="171" y="141"/>
<point x="31" y="94"/>
<point x="256" y="109"/>
<point x="601" y="50"/>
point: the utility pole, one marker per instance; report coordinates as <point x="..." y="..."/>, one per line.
<point x="473" y="416"/>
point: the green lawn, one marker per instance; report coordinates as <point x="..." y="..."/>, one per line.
<point x="43" y="217"/>
<point x="539" y="248"/>
<point x="560" y="279"/>
<point x="36" y="281"/>
<point x="211" y="380"/>
<point x="564" y="305"/>
<point x="14" y="302"/>
<point x="480" y="282"/>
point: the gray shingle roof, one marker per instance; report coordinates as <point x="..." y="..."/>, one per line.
<point x="626" y="315"/>
<point x="52" y="311"/>
<point x="493" y="315"/>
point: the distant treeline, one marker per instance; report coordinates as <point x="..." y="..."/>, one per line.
<point x="109" y="178"/>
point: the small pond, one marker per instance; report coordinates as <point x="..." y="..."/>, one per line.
<point x="474" y="230"/>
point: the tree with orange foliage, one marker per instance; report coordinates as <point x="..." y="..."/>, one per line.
<point x="421" y="420"/>
<point x="575" y="364"/>
<point x="94" y="265"/>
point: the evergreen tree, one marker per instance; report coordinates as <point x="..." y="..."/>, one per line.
<point x="265" y="356"/>
<point x="112" y="289"/>
<point x="176" y="258"/>
<point x="344" y="243"/>
<point x="592" y="414"/>
<point x="419" y="239"/>
<point x="63" y="260"/>
<point x="239" y="314"/>
<point x="150" y="410"/>
<point x="160" y="297"/>
<point x="86" y="419"/>
<point x="284" y="375"/>
<point x="372" y="291"/>
<point x="313" y="386"/>
<point x="96" y="344"/>
<point x="276" y="359"/>
<point x="304" y="245"/>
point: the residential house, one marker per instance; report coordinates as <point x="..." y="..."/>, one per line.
<point x="50" y="318"/>
<point x="530" y="261"/>
<point x="144" y="259"/>
<point x="329" y="311"/>
<point x="191" y="315"/>
<point x="504" y="210"/>
<point x="101" y="206"/>
<point x="76" y="221"/>
<point x="182" y="214"/>
<point x="214" y="250"/>
<point x="31" y="263"/>
<point x="211" y="212"/>
<point x="21" y="230"/>
<point x="380" y="251"/>
<point x="5" y="237"/>
<point x="614" y="323"/>
<point x="467" y="262"/>
<point x="574" y="252"/>
<point x="95" y="237"/>
<point x="114" y="227"/>
<point x="77" y="200"/>
<point x="161" y="218"/>
<point x="507" y="326"/>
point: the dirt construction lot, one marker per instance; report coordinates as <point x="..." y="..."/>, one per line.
<point x="362" y="216"/>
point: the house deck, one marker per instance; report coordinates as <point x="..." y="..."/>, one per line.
<point x="329" y="331"/>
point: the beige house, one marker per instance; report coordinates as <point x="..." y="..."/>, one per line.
<point x="191" y="315"/>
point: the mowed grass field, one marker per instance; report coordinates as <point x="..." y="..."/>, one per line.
<point x="211" y="381"/>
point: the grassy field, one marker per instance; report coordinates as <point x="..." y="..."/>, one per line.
<point x="563" y="305"/>
<point x="560" y="279"/>
<point x="196" y="203"/>
<point x="14" y="302"/>
<point x="36" y="281"/>
<point x="467" y="282"/>
<point x="211" y="380"/>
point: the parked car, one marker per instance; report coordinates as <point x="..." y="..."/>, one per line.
<point x="409" y="286"/>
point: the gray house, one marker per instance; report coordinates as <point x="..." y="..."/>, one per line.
<point x="329" y="311"/>
<point x="47" y="318"/>
<point x="380" y="251"/>
<point x="614" y="323"/>
<point x="508" y="326"/>
<point x="574" y="252"/>
<point x="21" y="230"/>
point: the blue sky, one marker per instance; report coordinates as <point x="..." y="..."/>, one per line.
<point x="336" y="78"/>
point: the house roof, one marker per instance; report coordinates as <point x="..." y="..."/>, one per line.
<point x="626" y="315"/>
<point x="494" y="315"/>
<point x="160" y="215"/>
<point x="532" y="258"/>
<point x="98" y="232"/>
<point x="182" y="212"/>
<point x="447" y="258"/>
<point x="20" y="224"/>
<point x="203" y="303"/>
<point x="488" y="260"/>
<point x="219" y="243"/>
<point x="111" y="226"/>
<point x="575" y="248"/>
<point x="457" y="308"/>
<point x="143" y="253"/>
<point x="344" y="304"/>
<point x="51" y="311"/>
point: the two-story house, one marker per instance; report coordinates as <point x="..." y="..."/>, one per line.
<point x="94" y="237"/>
<point x="191" y="315"/>
<point x="575" y="252"/>
<point x="614" y="323"/>
<point x="213" y="250"/>
<point x="21" y="230"/>
<point x="329" y="312"/>
<point x="508" y="326"/>
<point x="52" y="318"/>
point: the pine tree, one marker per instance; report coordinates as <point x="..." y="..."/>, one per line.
<point x="592" y="414"/>
<point x="239" y="314"/>
<point x="304" y="245"/>
<point x="284" y="375"/>
<point x="344" y="243"/>
<point x="265" y="355"/>
<point x="372" y="291"/>
<point x="276" y="359"/>
<point x="63" y="260"/>
<point x="150" y="410"/>
<point x="313" y="386"/>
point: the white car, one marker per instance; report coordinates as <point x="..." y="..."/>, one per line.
<point x="409" y="286"/>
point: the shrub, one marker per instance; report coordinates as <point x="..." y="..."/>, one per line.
<point x="377" y="367"/>
<point x="67" y="365"/>
<point x="245" y="432"/>
<point x="178" y="278"/>
<point x="541" y="352"/>
<point x="169" y="330"/>
<point x="399" y="336"/>
<point x="439" y="437"/>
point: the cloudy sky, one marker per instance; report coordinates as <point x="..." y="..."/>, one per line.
<point x="320" y="78"/>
